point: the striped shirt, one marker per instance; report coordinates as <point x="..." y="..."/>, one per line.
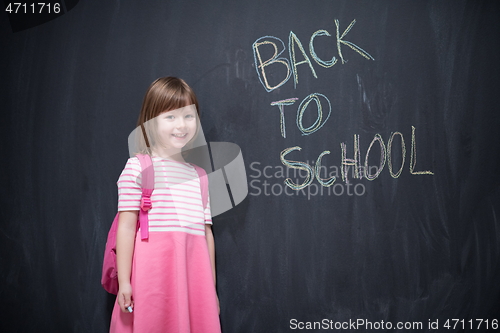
<point x="176" y="199"/>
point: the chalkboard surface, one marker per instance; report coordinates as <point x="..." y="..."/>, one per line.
<point x="368" y="131"/>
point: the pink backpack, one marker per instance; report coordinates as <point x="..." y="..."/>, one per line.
<point x="109" y="278"/>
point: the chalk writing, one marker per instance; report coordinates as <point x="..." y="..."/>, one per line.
<point x="383" y="154"/>
<point x="296" y="51"/>
<point x="359" y="171"/>
<point x="403" y="154"/>
<point x="320" y="119"/>
<point x="261" y="65"/>
<point x="351" y="45"/>
<point x="324" y="182"/>
<point x="347" y="162"/>
<point x="296" y="165"/>
<point x="318" y="123"/>
<point x="293" y="44"/>
<point x="281" y="105"/>
<point x="292" y="40"/>
<point x="326" y="64"/>
<point x="413" y="156"/>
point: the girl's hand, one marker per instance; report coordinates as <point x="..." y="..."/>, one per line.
<point x="124" y="297"/>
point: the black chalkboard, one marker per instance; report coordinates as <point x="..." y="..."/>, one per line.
<point x="408" y="234"/>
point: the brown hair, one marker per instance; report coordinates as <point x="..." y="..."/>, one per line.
<point x="164" y="94"/>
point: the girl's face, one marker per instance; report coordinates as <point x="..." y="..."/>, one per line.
<point x="177" y="127"/>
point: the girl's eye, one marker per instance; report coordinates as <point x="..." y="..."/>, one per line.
<point x="190" y="116"/>
<point x="169" y="117"/>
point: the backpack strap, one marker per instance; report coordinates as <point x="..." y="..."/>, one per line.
<point x="148" y="179"/>
<point x="203" y="184"/>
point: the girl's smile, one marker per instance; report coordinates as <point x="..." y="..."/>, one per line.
<point x="181" y="137"/>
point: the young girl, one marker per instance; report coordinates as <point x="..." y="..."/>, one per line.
<point x="167" y="282"/>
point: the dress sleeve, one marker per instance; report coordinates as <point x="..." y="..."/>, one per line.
<point x="129" y="186"/>
<point x="208" y="214"/>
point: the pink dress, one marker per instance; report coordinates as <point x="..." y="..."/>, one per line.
<point x="172" y="282"/>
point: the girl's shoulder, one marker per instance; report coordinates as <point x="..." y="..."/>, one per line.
<point x="133" y="165"/>
<point x="133" y="160"/>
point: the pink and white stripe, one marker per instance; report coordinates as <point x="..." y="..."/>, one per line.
<point x="176" y="199"/>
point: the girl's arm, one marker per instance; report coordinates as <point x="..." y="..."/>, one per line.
<point x="125" y="238"/>
<point x="211" y="251"/>
<point x="211" y="247"/>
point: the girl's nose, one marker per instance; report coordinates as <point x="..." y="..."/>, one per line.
<point x="180" y="122"/>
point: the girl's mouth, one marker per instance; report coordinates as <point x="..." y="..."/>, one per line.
<point x="180" y="135"/>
